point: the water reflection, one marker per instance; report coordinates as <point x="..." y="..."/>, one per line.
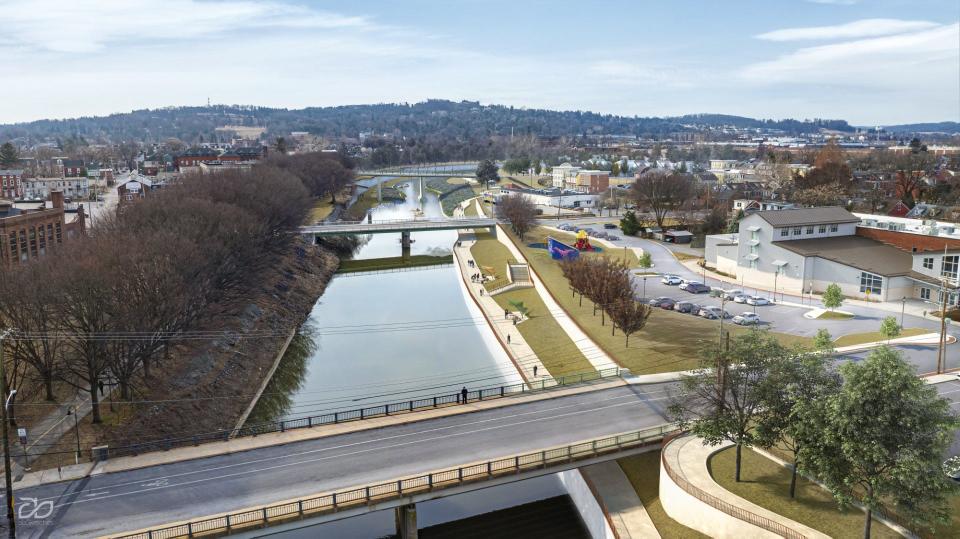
<point x="277" y="397"/>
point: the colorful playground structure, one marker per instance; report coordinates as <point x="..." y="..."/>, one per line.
<point x="561" y="251"/>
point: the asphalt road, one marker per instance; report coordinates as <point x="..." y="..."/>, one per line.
<point x="125" y="501"/>
<point x="951" y="391"/>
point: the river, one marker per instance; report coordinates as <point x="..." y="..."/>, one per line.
<point x="390" y="336"/>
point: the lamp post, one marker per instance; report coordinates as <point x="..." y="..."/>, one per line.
<point x="775" y="275"/>
<point x="644" y="288"/>
<point x="903" y="307"/>
<point x="76" y="428"/>
<point x="8" y="479"/>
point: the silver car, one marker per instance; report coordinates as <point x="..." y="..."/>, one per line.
<point x="746" y="319"/>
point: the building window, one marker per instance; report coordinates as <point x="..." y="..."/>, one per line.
<point x="948" y="268"/>
<point x="784" y="232"/>
<point x="925" y="293"/>
<point x="928" y="263"/>
<point x="834" y="228"/>
<point x="809" y="230"/>
<point x="870" y="283"/>
<point x="796" y="231"/>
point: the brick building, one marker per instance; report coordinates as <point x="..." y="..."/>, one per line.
<point x="26" y="234"/>
<point x="194" y="156"/>
<point x="11" y="183"/>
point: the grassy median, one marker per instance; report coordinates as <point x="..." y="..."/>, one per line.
<point x="643" y="471"/>
<point x="767" y="484"/>
<point x="875" y="336"/>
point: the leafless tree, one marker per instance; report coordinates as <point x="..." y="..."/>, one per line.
<point x="519" y="211"/>
<point x="629" y="315"/>
<point x="663" y="192"/>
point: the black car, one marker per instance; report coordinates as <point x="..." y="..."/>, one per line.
<point x="609" y="226"/>
<point x="697" y="288"/>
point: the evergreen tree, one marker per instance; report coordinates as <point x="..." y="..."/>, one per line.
<point x="629" y="224"/>
<point x="8" y="155"/>
<point x="487" y="172"/>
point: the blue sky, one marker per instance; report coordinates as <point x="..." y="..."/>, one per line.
<point x="872" y="62"/>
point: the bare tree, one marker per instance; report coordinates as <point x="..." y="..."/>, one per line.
<point x="663" y="192"/>
<point x="629" y="315"/>
<point x="519" y="211"/>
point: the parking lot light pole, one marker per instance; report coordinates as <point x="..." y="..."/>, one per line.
<point x="76" y="427"/>
<point x="903" y="307"/>
<point x="644" y="288"/>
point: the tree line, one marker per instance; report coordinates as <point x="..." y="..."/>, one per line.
<point x="608" y="285"/>
<point x="105" y="308"/>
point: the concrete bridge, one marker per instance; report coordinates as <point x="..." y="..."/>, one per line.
<point x="404" y="227"/>
<point x="425" y="171"/>
<point x="336" y="476"/>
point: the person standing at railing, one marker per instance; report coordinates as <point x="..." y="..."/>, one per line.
<point x="463" y="394"/>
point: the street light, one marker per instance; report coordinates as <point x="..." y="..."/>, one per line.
<point x="76" y="428"/>
<point x="8" y="479"/>
<point x="903" y="307"/>
<point x="644" y="288"/>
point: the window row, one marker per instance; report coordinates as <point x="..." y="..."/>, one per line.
<point x="799" y="230"/>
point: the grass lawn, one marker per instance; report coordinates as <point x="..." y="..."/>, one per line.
<point x="834" y="315"/>
<point x="348" y="266"/>
<point x="643" y="471"/>
<point x="766" y="483"/>
<point x="874" y="336"/>
<point x="471" y="209"/>
<point x="670" y="341"/>
<point x="683" y="257"/>
<point x="320" y="210"/>
<point x="556" y="351"/>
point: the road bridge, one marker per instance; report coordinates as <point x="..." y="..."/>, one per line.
<point x="422" y="456"/>
<point x="426" y="171"/>
<point x="403" y="226"/>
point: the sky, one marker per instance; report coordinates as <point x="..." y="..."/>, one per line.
<point x="871" y="62"/>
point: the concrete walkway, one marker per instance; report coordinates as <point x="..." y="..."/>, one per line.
<point x="521" y="353"/>
<point x="619" y="500"/>
<point x="594" y="354"/>
<point x="687" y="457"/>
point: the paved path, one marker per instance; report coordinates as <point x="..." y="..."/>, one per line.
<point x="625" y="511"/>
<point x="688" y="456"/>
<point x="521" y="353"/>
<point x="139" y="498"/>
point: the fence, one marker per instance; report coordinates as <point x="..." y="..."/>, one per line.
<point x="365" y="495"/>
<point x="357" y="414"/>
<point x="730" y="509"/>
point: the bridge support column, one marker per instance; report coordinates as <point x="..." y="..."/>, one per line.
<point x="493" y="231"/>
<point x="406" y="518"/>
<point x="405" y="244"/>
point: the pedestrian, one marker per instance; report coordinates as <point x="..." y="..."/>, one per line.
<point x="508" y="338"/>
<point x="463" y="394"/>
<point x="514" y="320"/>
<point x="481" y="291"/>
<point x="506" y="314"/>
<point x="534" y="371"/>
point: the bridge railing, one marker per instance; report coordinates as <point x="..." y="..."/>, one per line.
<point x="359" y="414"/>
<point x="399" y="488"/>
<point x="402" y="221"/>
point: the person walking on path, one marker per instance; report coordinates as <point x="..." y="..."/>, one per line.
<point x="463" y="394"/>
<point x="535" y="371"/>
<point x="508" y="338"/>
<point x="506" y="314"/>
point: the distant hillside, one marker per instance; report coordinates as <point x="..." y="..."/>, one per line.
<point x="949" y="128"/>
<point x="459" y="120"/>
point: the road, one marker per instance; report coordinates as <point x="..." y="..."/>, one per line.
<point x="153" y="496"/>
<point x="951" y="391"/>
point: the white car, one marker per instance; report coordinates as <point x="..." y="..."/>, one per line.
<point x="741" y="298"/>
<point x="757" y="300"/>
<point x="671" y="280"/>
<point x="732" y="294"/>
<point x="746" y="319"/>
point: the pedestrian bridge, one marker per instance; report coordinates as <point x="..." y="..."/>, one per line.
<point x="306" y="474"/>
<point x="341" y="228"/>
<point x="426" y="171"/>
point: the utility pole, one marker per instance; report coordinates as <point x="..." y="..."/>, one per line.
<point x="7" y="477"/>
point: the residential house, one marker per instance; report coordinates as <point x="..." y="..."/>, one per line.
<point x="11" y="183"/>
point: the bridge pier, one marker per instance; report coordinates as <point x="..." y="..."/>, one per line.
<point x="405" y="243"/>
<point x="406" y="519"/>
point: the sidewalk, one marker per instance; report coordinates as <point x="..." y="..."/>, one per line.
<point x="625" y="512"/>
<point x="512" y="341"/>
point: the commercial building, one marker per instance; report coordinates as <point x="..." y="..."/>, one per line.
<point x="74" y="187"/>
<point x="875" y="258"/>
<point x="591" y="181"/>
<point x="11" y="183"/>
<point x="26" y="234"/>
<point x="563" y="174"/>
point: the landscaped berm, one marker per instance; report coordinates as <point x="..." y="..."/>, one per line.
<point x="670" y="341"/>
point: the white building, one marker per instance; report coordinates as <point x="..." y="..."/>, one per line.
<point x="40" y="188"/>
<point x="562" y="174"/>
<point x="805" y="250"/>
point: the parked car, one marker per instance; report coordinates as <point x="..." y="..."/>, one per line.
<point x="667" y="304"/>
<point x="697" y="288"/>
<point x="609" y="226"/>
<point x="695" y="309"/>
<point x="731" y="294"/>
<point x="684" y="306"/>
<point x="656" y="302"/>
<point x="713" y="313"/>
<point x="757" y="300"/>
<point x="746" y="319"/>
<point x="671" y="280"/>
<point x="741" y="298"/>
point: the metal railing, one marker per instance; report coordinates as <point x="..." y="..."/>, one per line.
<point x="380" y="492"/>
<point x="728" y="508"/>
<point x="358" y="414"/>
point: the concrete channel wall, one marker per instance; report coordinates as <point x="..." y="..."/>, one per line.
<point x="590" y="510"/>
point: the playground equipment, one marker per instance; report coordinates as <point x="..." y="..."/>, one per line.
<point x="583" y="241"/>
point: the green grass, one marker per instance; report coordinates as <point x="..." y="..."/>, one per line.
<point x="834" y="315"/>
<point x="471" y="209"/>
<point x="320" y="210"/>
<point x="682" y="256"/>
<point x="643" y="471"/>
<point x="875" y="336"/>
<point x="349" y="266"/>
<point x="549" y="341"/>
<point x="670" y="342"/>
<point x="766" y="483"/>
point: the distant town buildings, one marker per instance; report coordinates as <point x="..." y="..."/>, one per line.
<point x="11" y="183"/>
<point x="26" y="234"/>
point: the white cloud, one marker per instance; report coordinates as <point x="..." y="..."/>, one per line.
<point x="82" y="26"/>
<point x="904" y="60"/>
<point x="852" y="30"/>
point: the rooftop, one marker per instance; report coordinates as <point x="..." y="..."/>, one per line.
<point x="862" y="253"/>
<point x="808" y="216"/>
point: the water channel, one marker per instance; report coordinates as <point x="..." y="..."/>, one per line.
<point x="391" y="336"/>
